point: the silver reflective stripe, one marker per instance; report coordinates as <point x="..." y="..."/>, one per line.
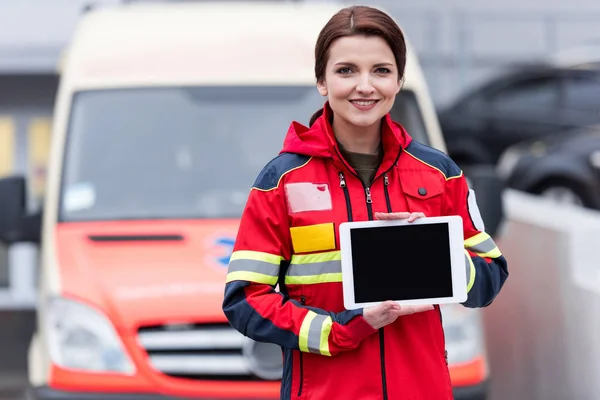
<point x="314" y="333"/>
<point x="260" y="267"/>
<point x="484" y="247"/>
<point x="468" y="267"/>
<point x="327" y="267"/>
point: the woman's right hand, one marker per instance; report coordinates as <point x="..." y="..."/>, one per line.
<point x="387" y="312"/>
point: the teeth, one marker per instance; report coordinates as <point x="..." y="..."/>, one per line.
<point x="364" y="103"/>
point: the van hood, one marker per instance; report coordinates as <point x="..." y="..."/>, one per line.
<point x="147" y="273"/>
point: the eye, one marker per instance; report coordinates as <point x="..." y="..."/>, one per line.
<point x="344" y="71"/>
<point x="383" y="70"/>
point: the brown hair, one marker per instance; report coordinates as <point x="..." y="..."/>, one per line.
<point x="358" y="20"/>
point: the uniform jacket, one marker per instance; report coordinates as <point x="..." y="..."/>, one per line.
<point x="288" y="237"/>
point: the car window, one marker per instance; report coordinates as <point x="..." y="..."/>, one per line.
<point x="582" y="93"/>
<point x="531" y="94"/>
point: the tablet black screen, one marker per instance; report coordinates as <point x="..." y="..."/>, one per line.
<point x="401" y="262"/>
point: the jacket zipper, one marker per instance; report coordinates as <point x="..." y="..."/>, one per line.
<point x="388" y="203"/>
<point x="346" y="195"/>
<point x="369" y="201"/>
<point x="368" y="197"/>
<point x="386" y="182"/>
<point x="303" y="302"/>
<point x="382" y="357"/>
<point x="439" y="310"/>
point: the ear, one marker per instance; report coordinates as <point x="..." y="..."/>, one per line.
<point x="400" y="85"/>
<point x="322" y="88"/>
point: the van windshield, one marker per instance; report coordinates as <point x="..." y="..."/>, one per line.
<point x="172" y="153"/>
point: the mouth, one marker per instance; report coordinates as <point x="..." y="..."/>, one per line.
<point x="364" y="104"/>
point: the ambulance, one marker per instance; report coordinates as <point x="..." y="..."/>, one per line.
<point x="165" y="114"/>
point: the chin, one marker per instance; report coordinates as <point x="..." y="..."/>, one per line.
<point x="365" y="121"/>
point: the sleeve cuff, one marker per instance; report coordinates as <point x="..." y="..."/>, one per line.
<point x="360" y="328"/>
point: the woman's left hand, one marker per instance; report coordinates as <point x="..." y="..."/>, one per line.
<point x="411" y="217"/>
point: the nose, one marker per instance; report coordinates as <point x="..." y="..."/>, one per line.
<point x="364" y="85"/>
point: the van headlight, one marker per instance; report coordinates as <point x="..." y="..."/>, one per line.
<point x="463" y="330"/>
<point x="81" y="337"/>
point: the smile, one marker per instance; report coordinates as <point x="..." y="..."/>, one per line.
<point x="364" y="105"/>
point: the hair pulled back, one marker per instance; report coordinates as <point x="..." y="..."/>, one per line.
<point x="354" y="21"/>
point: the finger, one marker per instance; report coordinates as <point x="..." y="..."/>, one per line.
<point x="392" y="216"/>
<point x="391" y="305"/>
<point x="414" y="216"/>
<point x="408" y="310"/>
<point x="422" y="308"/>
<point x="388" y="307"/>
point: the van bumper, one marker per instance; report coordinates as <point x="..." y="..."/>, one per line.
<point x="477" y="392"/>
<point x="46" y="393"/>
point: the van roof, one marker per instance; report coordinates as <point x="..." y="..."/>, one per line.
<point x="204" y="43"/>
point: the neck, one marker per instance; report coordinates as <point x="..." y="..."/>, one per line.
<point x="357" y="139"/>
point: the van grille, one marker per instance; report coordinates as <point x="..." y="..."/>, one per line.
<point x="207" y="352"/>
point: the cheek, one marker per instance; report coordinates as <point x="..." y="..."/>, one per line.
<point x="389" y="88"/>
<point x="340" y="88"/>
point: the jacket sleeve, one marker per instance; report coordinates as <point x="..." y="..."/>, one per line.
<point x="486" y="266"/>
<point x="255" y="309"/>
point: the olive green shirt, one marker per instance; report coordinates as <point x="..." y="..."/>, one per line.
<point x="365" y="165"/>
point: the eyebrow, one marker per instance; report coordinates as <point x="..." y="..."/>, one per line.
<point x="349" y="64"/>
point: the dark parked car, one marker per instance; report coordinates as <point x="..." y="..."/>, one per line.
<point x="521" y="105"/>
<point x="563" y="167"/>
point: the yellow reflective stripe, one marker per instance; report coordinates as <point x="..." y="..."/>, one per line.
<point x="483" y="245"/>
<point x="315" y="268"/>
<point x="312" y="279"/>
<point x="304" y="329"/>
<point x="314" y="333"/>
<point x="471" y="271"/>
<point x="254" y="266"/>
<point x="255" y="255"/>
<point x="324" y="337"/>
<point x="494" y="253"/>
<point x="251" y="277"/>
<point x="316" y="257"/>
<point x="475" y="240"/>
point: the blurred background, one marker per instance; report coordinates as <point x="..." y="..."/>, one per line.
<point x="516" y="87"/>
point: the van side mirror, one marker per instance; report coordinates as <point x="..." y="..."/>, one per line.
<point x="488" y="188"/>
<point x="15" y="224"/>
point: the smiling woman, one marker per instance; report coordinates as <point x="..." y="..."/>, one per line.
<point x="353" y="163"/>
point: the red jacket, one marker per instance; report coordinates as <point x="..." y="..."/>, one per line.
<point x="288" y="236"/>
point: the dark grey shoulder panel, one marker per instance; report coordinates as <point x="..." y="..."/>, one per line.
<point x="271" y="174"/>
<point x="435" y="158"/>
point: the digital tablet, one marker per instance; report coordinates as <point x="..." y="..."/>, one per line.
<point x="421" y="262"/>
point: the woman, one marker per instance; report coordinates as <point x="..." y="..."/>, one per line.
<point x="353" y="163"/>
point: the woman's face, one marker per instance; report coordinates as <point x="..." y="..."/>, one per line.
<point x="361" y="79"/>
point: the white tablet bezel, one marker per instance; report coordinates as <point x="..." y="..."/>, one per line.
<point x="457" y="260"/>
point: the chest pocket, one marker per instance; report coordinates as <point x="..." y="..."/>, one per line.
<point x="424" y="195"/>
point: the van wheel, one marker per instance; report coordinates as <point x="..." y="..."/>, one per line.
<point x="564" y="192"/>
